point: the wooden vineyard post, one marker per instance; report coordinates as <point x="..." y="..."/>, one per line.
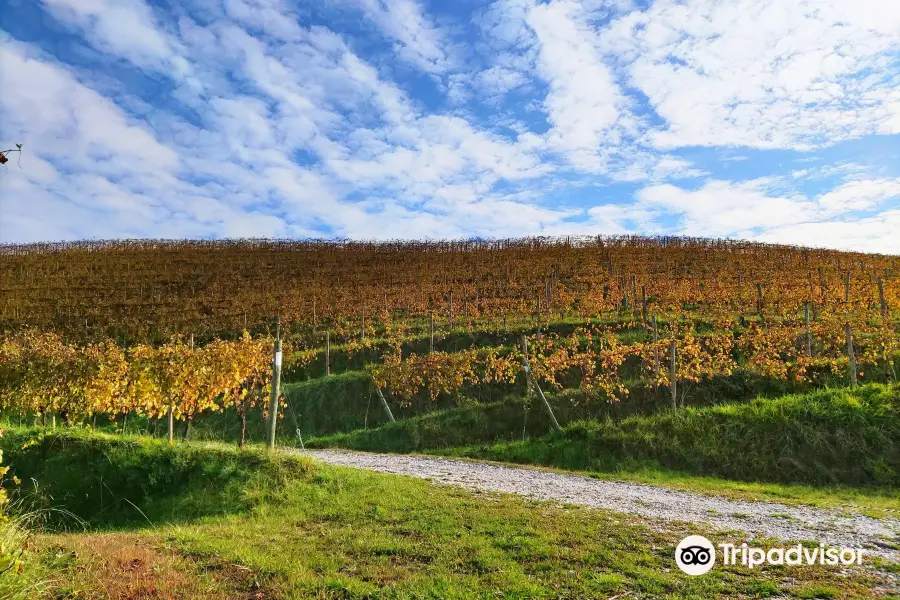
<point x="465" y="307"/>
<point x="655" y="351"/>
<point x="847" y="287"/>
<point x="276" y="386"/>
<point x="851" y="355"/>
<point x="362" y="326"/>
<point x="634" y="288"/>
<point x="881" y="298"/>
<point x="537" y="305"/>
<point x="808" y="334"/>
<point x="672" y="378"/>
<point x="327" y="353"/>
<point x="171" y="411"/>
<point x="450" y="309"/>
<point x="384" y="404"/>
<point x="821" y="284"/>
<point x="171" y="416"/>
<point x="534" y="385"/>
<point x="644" y="304"/>
<point x="431" y="332"/>
<point x="759" y="300"/>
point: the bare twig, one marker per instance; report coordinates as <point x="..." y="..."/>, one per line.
<point x="3" y="153"/>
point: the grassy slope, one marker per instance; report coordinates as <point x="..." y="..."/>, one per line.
<point x="288" y="528"/>
<point x="837" y="437"/>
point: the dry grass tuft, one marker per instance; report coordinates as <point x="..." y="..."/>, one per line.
<point x="125" y="566"/>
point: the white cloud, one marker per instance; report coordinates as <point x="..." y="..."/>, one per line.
<point x="584" y="104"/>
<point x="417" y="40"/>
<point x="500" y="80"/>
<point x="125" y="28"/>
<point x="804" y="74"/>
<point x="859" y="195"/>
<point x="754" y="209"/>
<point x="877" y="233"/>
<point x="504" y="24"/>
<point x="271" y="16"/>
<point x="720" y="208"/>
<point x="641" y="165"/>
<point x="54" y="106"/>
<point x="263" y="124"/>
<point x="439" y="151"/>
<point x="94" y="171"/>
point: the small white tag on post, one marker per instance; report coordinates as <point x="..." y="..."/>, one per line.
<point x="278" y="359"/>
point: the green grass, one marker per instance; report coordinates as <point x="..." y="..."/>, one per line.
<point x="118" y="481"/>
<point x="291" y="528"/>
<point x="829" y="448"/>
<point x="841" y="436"/>
<point x="22" y="574"/>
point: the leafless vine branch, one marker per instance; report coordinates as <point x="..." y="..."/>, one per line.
<point x="3" y="153"/>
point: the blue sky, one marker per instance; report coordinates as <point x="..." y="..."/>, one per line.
<point x="776" y="120"/>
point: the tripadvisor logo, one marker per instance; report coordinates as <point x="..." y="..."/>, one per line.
<point x="696" y="555"/>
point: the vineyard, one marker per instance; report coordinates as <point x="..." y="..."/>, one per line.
<point x="715" y="367"/>
<point x="172" y="331"/>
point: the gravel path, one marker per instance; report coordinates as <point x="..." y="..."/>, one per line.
<point x="755" y="518"/>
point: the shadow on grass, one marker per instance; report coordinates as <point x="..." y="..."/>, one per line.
<point x="80" y="478"/>
<point x="828" y="437"/>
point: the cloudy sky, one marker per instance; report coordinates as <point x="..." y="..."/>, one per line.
<point x="776" y="120"/>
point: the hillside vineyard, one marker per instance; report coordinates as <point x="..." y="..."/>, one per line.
<point x="136" y="291"/>
<point x="176" y="329"/>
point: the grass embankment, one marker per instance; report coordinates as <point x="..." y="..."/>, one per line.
<point x="835" y="437"/>
<point x="346" y="402"/>
<point x="283" y="527"/>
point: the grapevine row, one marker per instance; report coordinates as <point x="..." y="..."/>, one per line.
<point x="137" y="292"/>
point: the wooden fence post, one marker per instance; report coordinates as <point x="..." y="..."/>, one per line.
<point x="673" y="376"/>
<point x="327" y="353"/>
<point x="808" y="334"/>
<point x="431" y="331"/>
<point x="634" y="288"/>
<point x="759" y="300"/>
<point x="655" y="352"/>
<point x="644" y="304"/>
<point x="276" y="386"/>
<point x="171" y="412"/>
<point x="171" y="418"/>
<point x="851" y="355"/>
